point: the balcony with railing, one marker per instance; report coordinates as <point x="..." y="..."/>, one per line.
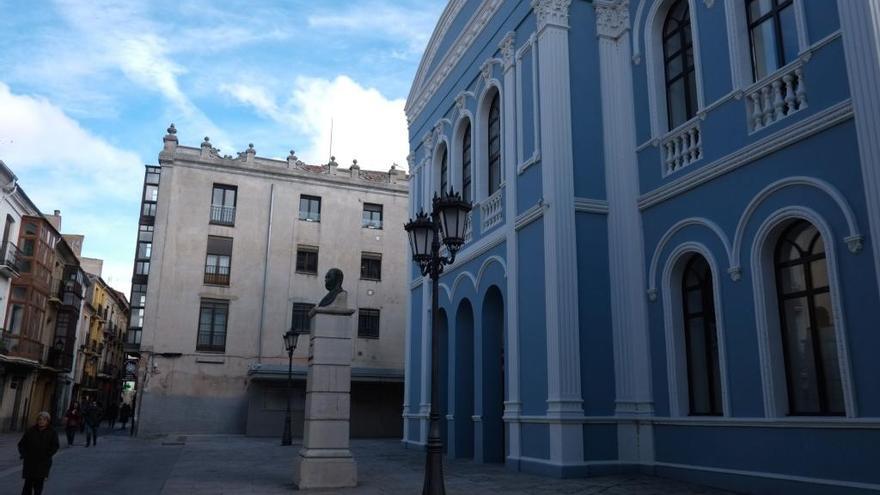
<point x="776" y="97"/>
<point x="216" y="275"/>
<point x="681" y="147"/>
<point x="16" y="345"/>
<point x="223" y="215"/>
<point x="9" y="260"/>
<point x="492" y="210"/>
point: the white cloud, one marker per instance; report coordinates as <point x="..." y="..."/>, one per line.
<point x="366" y="125"/>
<point x="64" y="166"/>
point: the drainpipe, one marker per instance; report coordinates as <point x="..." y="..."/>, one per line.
<point x="265" y="273"/>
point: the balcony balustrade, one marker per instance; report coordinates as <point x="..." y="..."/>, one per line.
<point x="776" y="97"/>
<point x="468" y="228"/>
<point x="9" y="260"/>
<point x="223" y="215"/>
<point x="492" y="210"/>
<point x="682" y="147"/>
<point x="216" y="275"/>
<point x="16" y="345"/>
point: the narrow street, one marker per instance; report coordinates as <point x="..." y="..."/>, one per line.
<point x="216" y="464"/>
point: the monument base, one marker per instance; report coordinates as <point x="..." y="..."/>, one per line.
<point x="313" y="469"/>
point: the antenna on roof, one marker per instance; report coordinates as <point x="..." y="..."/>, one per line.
<point x="331" y="137"/>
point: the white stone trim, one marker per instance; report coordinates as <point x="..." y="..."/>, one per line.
<point x="860" y="21"/>
<point x="774" y="476"/>
<point x="655" y="67"/>
<point x="799" y="422"/>
<point x="766" y="316"/>
<point x="422" y="93"/>
<point x="533" y="213"/>
<point x="449" y="14"/>
<point x="676" y="356"/>
<point x="589" y="205"/>
<point x="456" y="178"/>
<point x="479" y="140"/>
<point x="441" y="142"/>
<point x="782" y="138"/>
<point x="853" y="239"/>
<point x="425" y="361"/>
<point x="522" y="162"/>
<point x="738" y="36"/>
<point x="665" y="238"/>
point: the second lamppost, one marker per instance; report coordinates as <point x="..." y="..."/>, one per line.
<point x="290" y="339"/>
<point x="448" y="219"/>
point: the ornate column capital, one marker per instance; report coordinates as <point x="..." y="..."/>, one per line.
<point x="551" y="13"/>
<point x="507" y="50"/>
<point x="612" y="18"/>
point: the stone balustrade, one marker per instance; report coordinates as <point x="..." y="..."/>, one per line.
<point x="777" y="97"/>
<point x="682" y="147"/>
<point x="492" y="210"/>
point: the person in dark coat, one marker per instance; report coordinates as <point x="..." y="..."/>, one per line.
<point x="72" y="422"/>
<point x="93" y="414"/>
<point x="36" y="448"/>
<point x="124" y="414"/>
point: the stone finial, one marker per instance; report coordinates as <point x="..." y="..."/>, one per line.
<point x="332" y="163"/>
<point x="355" y="169"/>
<point x="170" y="139"/>
<point x="292" y="159"/>
<point x="354" y="163"/>
<point x="250" y="153"/>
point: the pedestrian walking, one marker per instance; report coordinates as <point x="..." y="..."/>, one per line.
<point x="124" y="414"/>
<point x="112" y="413"/>
<point x="72" y="422"/>
<point x="93" y="414"/>
<point x="36" y="448"/>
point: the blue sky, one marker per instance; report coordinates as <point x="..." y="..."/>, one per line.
<point x="88" y="87"/>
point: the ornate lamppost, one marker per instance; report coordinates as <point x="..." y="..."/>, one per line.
<point x="448" y="220"/>
<point x="290" y="339"/>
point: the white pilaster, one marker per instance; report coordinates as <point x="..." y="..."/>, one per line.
<point x="512" y="404"/>
<point x="425" y="361"/>
<point x="625" y="246"/>
<point x="560" y="250"/>
<point x="860" y="27"/>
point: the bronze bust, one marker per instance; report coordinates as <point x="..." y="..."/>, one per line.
<point x="333" y="283"/>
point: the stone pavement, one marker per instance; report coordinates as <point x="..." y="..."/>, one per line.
<point x="215" y="464"/>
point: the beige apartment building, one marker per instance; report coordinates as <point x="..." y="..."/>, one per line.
<point x="232" y="254"/>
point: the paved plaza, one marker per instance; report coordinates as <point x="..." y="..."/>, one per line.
<point x="195" y="465"/>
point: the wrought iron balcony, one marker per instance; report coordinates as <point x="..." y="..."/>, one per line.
<point x="15" y="345"/>
<point x="223" y="215"/>
<point x="9" y="260"/>
<point x="216" y="275"/>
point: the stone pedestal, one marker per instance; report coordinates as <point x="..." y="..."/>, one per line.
<point x="325" y="459"/>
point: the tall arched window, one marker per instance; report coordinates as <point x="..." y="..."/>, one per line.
<point x="444" y="172"/>
<point x="678" y="64"/>
<point x="466" y="163"/>
<point x="809" y="340"/>
<point x="494" y="144"/>
<point x="701" y="338"/>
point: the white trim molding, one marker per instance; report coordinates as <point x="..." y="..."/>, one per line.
<point x="590" y="205"/>
<point x="667" y="236"/>
<point x="766" y="315"/>
<point x="860" y="23"/>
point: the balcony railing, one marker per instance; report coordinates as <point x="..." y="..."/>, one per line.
<point x="468" y="227"/>
<point x="9" y="260"/>
<point x="682" y="147"/>
<point x="492" y="210"/>
<point x="16" y="345"/>
<point x="776" y="98"/>
<point x="223" y="215"/>
<point x="216" y="275"/>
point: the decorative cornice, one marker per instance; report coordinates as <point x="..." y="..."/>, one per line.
<point x="589" y="205"/>
<point x="422" y="92"/>
<point x="507" y="50"/>
<point x="612" y="18"/>
<point x="551" y="13"/>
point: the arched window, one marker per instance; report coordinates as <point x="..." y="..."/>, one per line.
<point x="444" y="172"/>
<point x="466" y="163"/>
<point x="773" y="35"/>
<point x="809" y="340"/>
<point x="494" y="144"/>
<point x="700" y="338"/>
<point x="678" y="65"/>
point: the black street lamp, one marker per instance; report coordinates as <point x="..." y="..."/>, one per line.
<point x="448" y="219"/>
<point x="290" y="339"/>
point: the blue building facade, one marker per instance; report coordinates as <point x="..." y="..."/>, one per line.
<point x="672" y="262"/>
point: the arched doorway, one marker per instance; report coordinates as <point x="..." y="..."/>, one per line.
<point x="493" y="439"/>
<point x="462" y="444"/>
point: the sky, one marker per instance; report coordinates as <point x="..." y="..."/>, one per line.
<point x="88" y="87"/>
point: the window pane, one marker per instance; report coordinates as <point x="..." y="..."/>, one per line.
<point x="758" y="8"/>
<point x="802" y="379"/>
<point x="151" y="193"/>
<point x="217" y="197"/>
<point x="764" y="49"/>
<point x="828" y="353"/>
<point x="791" y="279"/>
<point x="677" y="109"/>
<point x="789" y="34"/>
<point x="698" y="367"/>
